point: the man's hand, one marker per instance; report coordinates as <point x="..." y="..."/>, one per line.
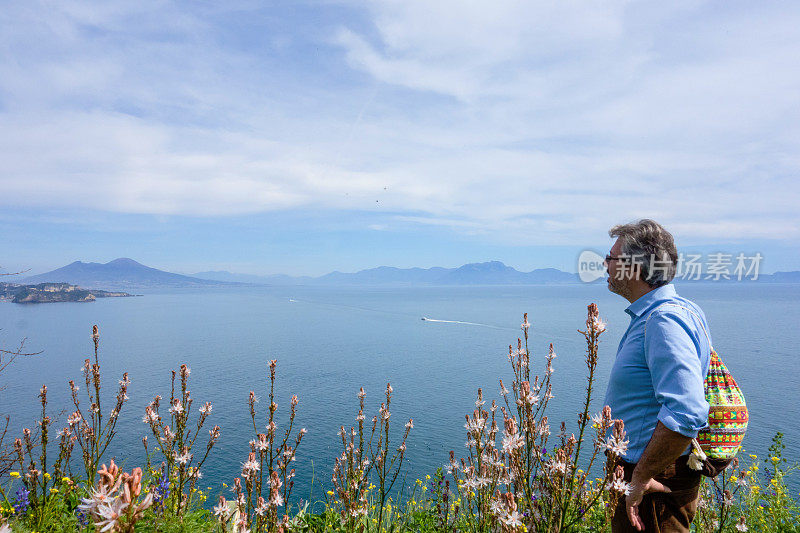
<point x="638" y="489"/>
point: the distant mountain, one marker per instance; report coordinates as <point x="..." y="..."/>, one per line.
<point x="783" y="277"/>
<point x="385" y="275"/>
<point x="128" y="274"/>
<point x="230" y="277"/>
<point x="489" y="273"/>
<point x="117" y="274"/>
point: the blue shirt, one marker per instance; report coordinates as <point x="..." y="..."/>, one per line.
<point x="661" y="364"/>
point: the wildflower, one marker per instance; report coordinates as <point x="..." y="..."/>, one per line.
<point x="184" y="457"/>
<point x="619" y="486"/>
<point x="98" y="496"/>
<point x="206" y="409"/>
<point x="557" y="466"/>
<point x="109" y="513"/>
<point x="14" y="474"/>
<point x="176" y="408"/>
<point x="262" y="507"/>
<point x="410" y="424"/>
<point x="21" y="503"/>
<point x="512" y="519"/>
<point x="275" y="499"/>
<point x="251" y="466"/>
<point x="222" y="510"/>
<point x="512" y="442"/>
<point x="740" y="526"/>
<point x="696" y="458"/>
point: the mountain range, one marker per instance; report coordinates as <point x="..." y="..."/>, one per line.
<point x="126" y="273"/>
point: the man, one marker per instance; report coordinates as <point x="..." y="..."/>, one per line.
<point x="656" y="384"/>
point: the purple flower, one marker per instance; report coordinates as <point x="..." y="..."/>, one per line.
<point x="22" y="503"/>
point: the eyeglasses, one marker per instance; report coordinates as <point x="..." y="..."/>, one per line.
<point x="610" y="258"/>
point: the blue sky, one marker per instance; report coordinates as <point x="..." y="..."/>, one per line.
<point x="305" y="137"/>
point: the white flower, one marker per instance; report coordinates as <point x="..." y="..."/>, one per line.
<point x="250" y="467"/>
<point x="557" y="467"/>
<point x="617" y="446"/>
<point x="620" y="486"/>
<point x="183" y="458"/>
<point x="276" y="499"/>
<point x="410" y="424"/>
<point x="497" y="508"/>
<point x="176" y="408"/>
<point x="262" y="509"/>
<point x="740" y="526"/>
<point x="150" y="416"/>
<point x="475" y="425"/>
<point x="696" y="458"/>
<point x="513" y="519"/>
<point x="109" y="513"/>
<point x="222" y="510"/>
<point x="512" y="442"/>
<point x="206" y="409"/>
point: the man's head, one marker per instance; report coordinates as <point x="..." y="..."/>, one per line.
<point x="642" y="258"/>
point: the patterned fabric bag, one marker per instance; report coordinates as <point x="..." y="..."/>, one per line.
<point x="717" y="445"/>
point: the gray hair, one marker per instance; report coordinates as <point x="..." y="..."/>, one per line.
<point x="651" y="247"/>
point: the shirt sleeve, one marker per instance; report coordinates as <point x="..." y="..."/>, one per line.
<point x="673" y="358"/>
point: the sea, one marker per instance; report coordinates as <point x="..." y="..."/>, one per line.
<point x="329" y="342"/>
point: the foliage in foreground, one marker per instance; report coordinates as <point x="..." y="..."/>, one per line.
<point x="515" y="475"/>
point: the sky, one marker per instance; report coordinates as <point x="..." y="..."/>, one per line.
<point x="305" y="137"/>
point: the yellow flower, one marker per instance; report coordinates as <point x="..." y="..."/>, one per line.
<point x="47" y="475"/>
<point x="775" y="460"/>
<point x="225" y="485"/>
<point x="14" y="474"/>
<point x="419" y="482"/>
<point x="330" y="493"/>
<point x="53" y="490"/>
<point x="753" y="456"/>
<point x="734" y="478"/>
<point x="424" y="489"/>
<point x="755" y="468"/>
<point x="427" y="476"/>
<point x="65" y="479"/>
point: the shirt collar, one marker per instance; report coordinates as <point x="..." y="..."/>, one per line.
<point x="661" y="293"/>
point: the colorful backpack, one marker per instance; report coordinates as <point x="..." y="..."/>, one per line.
<point x="727" y="413"/>
<point x="717" y="444"/>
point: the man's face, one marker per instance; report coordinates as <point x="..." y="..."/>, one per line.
<point x="618" y="271"/>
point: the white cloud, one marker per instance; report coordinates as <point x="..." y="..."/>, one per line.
<point x="519" y="122"/>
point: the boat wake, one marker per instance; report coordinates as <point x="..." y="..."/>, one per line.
<point x="426" y="319"/>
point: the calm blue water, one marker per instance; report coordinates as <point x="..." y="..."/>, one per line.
<point x="329" y="342"/>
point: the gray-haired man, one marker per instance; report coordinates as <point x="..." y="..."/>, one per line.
<point x="656" y="384"/>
